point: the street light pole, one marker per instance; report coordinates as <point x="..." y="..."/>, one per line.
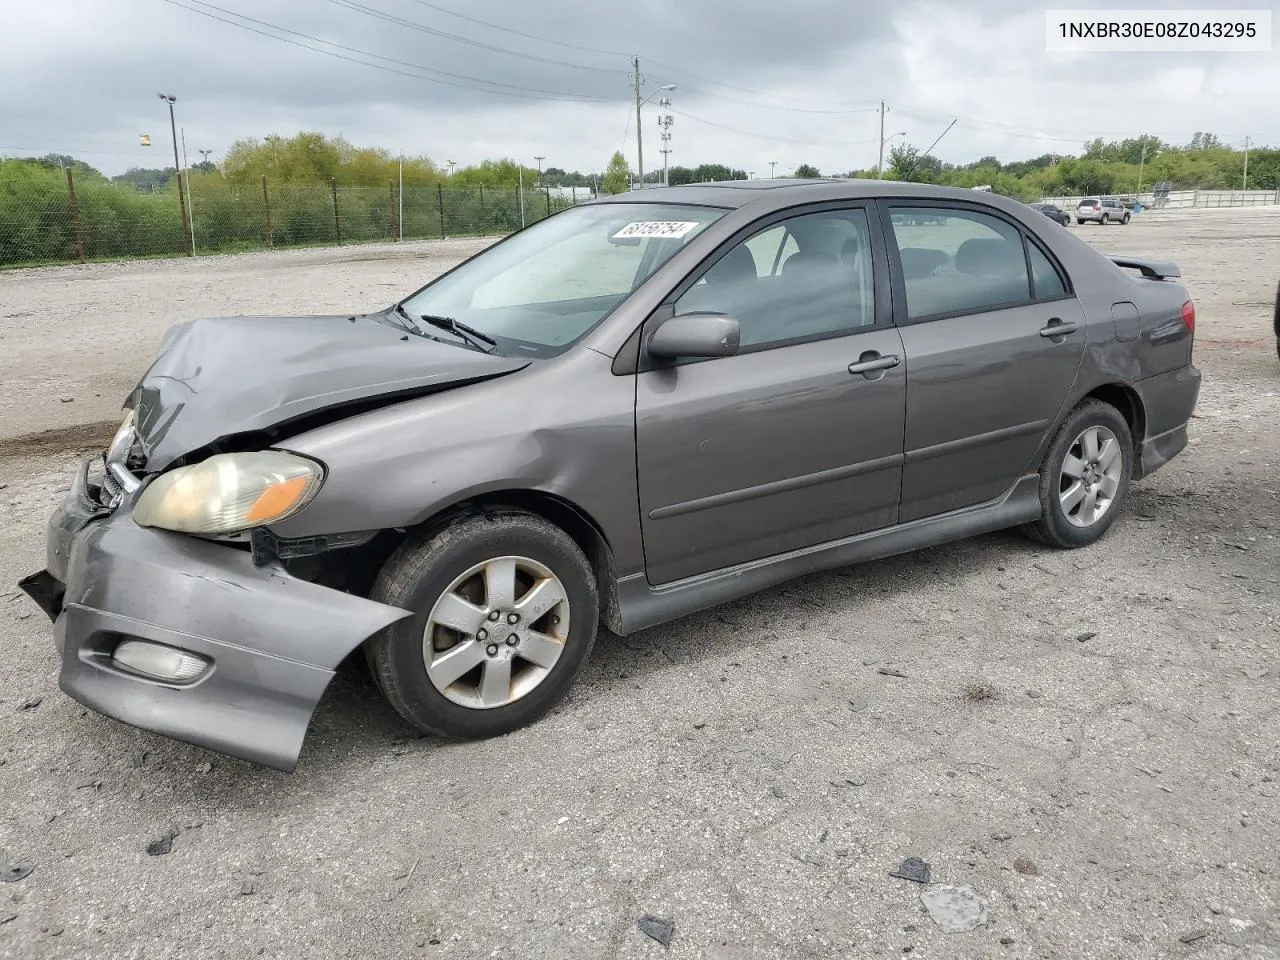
<point x="635" y="62"/>
<point x="177" y="167"/>
<point x="772" y="165"/>
<point x="539" y="159"/>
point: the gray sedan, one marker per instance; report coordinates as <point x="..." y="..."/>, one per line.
<point x="630" y="411"/>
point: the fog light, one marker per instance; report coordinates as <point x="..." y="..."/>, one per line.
<point x="159" y="662"/>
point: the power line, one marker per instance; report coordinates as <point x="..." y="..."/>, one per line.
<point x="771" y="137"/>
<point x="414" y="25"/>
<point x="519" y="33"/>
<point x="547" y="94"/>
<point x="694" y="91"/>
<point x="617" y="53"/>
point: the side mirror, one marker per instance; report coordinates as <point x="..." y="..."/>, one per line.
<point x="696" y="335"/>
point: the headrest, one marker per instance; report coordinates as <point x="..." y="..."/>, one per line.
<point x="734" y="267"/>
<point x="989" y="256"/>
<point x="809" y="261"/>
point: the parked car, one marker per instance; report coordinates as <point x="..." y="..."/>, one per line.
<point x="1103" y="211"/>
<point x="1054" y="213"/>
<point x="632" y="410"/>
<point x="1276" y="320"/>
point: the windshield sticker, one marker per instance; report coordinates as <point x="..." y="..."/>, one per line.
<point x="656" y="228"/>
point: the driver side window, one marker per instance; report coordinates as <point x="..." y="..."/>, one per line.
<point x="804" y="278"/>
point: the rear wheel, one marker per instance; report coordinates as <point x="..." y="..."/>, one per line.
<point x="505" y="615"/>
<point x="1084" y="478"/>
<point x="1079" y="221"/>
<point x="1105" y="218"/>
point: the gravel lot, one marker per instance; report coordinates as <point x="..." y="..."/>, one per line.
<point x="1087" y="739"/>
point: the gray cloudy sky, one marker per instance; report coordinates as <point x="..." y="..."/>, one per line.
<point x="786" y="82"/>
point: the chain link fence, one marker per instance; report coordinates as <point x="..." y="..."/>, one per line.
<point x="48" y="219"/>
<point x="1179" y="199"/>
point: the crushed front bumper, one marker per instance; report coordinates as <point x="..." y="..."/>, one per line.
<point x="272" y="641"/>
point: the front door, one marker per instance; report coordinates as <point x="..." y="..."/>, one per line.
<point x="993" y="339"/>
<point x="797" y="439"/>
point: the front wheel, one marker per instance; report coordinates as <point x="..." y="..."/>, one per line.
<point x="505" y="615"/>
<point x="1084" y="478"/>
<point x="1124" y="221"/>
<point x="1079" y="222"/>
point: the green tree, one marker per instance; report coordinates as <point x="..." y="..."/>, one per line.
<point x="617" y="178"/>
<point x="807" y="172"/>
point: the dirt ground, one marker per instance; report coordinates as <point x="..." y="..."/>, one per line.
<point x="1090" y="740"/>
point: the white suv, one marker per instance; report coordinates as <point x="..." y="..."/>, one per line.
<point x="1101" y="211"/>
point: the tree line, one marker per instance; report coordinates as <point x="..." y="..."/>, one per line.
<point x="136" y="213"/>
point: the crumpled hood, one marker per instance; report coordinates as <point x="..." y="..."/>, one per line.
<point x="222" y="376"/>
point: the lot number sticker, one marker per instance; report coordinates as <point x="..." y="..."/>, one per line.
<point x="656" y="228"/>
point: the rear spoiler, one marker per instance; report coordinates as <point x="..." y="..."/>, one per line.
<point x="1152" y="269"/>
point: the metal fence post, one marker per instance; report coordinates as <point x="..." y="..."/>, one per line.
<point x="440" y="202"/>
<point x="266" y="209"/>
<point x="391" y="208"/>
<point x="337" y="227"/>
<point x="547" y="190"/>
<point x="484" y="223"/>
<point x="75" y="216"/>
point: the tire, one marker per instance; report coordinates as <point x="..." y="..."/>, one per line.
<point x="420" y="574"/>
<point x="1066" y="528"/>
<point x="1105" y="219"/>
<point x="1124" y="221"/>
<point x="1079" y="222"/>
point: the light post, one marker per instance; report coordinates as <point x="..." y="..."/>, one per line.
<point x="772" y="165"/>
<point x="205" y="154"/>
<point x="883" y="141"/>
<point x="539" y="160"/>
<point x="451" y="166"/>
<point x="639" y="124"/>
<point x="177" y="169"/>
<point x="1142" y="160"/>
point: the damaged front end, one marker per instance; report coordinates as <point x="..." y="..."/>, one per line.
<point x="176" y="609"/>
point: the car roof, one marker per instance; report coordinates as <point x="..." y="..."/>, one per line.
<point x="781" y="193"/>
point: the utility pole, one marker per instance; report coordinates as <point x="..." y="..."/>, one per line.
<point x="539" y="159"/>
<point x="1244" y="183"/>
<point x="772" y="165"/>
<point x="880" y="162"/>
<point x="400" y="200"/>
<point x="639" y="127"/>
<point x="177" y="167"/>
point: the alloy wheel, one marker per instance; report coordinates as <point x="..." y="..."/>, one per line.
<point x="496" y="632"/>
<point x="1091" y="475"/>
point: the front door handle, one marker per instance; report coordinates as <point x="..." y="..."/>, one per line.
<point x="871" y="362"/>
<point x="1057" y="328"/>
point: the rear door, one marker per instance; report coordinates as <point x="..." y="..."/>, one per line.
<point x="797" y="439"/>
<point x="993" y="338"/>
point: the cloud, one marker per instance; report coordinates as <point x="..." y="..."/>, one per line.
<point x="755" y="83"/>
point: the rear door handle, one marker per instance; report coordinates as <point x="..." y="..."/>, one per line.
<point x="871" y="361"/>
<point x="1057" y="328"/>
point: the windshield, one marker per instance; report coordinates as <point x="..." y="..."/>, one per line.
<point x="548" y="285"/>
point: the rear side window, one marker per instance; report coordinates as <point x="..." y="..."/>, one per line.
<point x="1089" y="203"/>
<point x="958" y="261"/>
<point x="1048" y="283"/>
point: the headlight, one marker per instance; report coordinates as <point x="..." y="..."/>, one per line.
<point x="229" y="492"/>
<point x="122" y="443"/>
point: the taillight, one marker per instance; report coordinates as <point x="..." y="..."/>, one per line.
<point x="1189" y="316"/>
